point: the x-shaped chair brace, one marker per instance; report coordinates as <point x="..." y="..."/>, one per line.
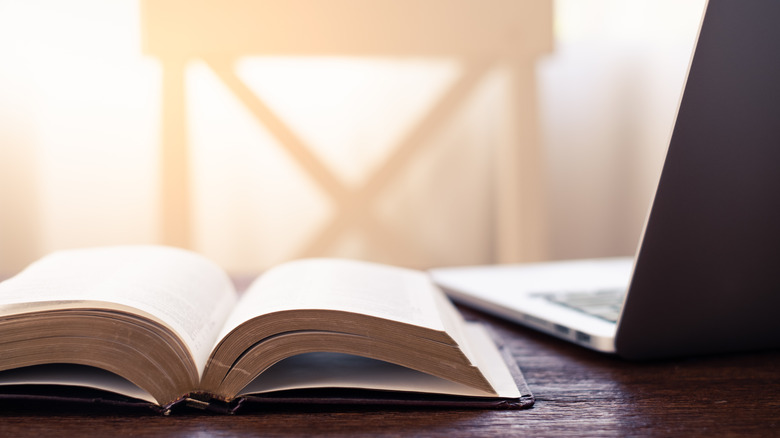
<point x="353" y="205"/>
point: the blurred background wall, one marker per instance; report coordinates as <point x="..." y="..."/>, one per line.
<point x="81" y="125"/>
<point x="608" y="96"/>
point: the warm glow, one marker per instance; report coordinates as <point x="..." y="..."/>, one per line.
<point x="85" y="113"/>
<point x="90" y="111"/>
<point x="83" y="89"/>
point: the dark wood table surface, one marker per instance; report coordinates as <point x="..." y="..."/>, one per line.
<point x="578" y="393"/>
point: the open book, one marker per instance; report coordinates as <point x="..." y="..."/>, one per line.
<point x="163" y="325"/>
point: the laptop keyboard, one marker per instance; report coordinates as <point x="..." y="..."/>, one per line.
<point x="604" y="304"/>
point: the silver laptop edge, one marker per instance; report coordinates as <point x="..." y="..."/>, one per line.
<point x="510" y="291"/>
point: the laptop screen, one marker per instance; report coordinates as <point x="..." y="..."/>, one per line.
<point x="707" y="277"/>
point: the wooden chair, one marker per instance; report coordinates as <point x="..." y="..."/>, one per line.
<point x="480" y="34"/>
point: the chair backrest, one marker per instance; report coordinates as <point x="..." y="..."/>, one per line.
<point x="457" y="28"/>
<point x="480" y="34"/>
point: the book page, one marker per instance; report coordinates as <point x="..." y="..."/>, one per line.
<point x="336" y="370"/>
<point x="73" y="375"/>
<point x="397" y="294"/>
<point x="183" y="290"/>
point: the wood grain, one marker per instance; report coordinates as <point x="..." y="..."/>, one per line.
<point x="578" y="393"/>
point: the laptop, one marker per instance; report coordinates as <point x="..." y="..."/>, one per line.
<point x="706" y="275"/>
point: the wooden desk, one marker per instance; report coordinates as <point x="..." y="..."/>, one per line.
<point x="578" y="393"/>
